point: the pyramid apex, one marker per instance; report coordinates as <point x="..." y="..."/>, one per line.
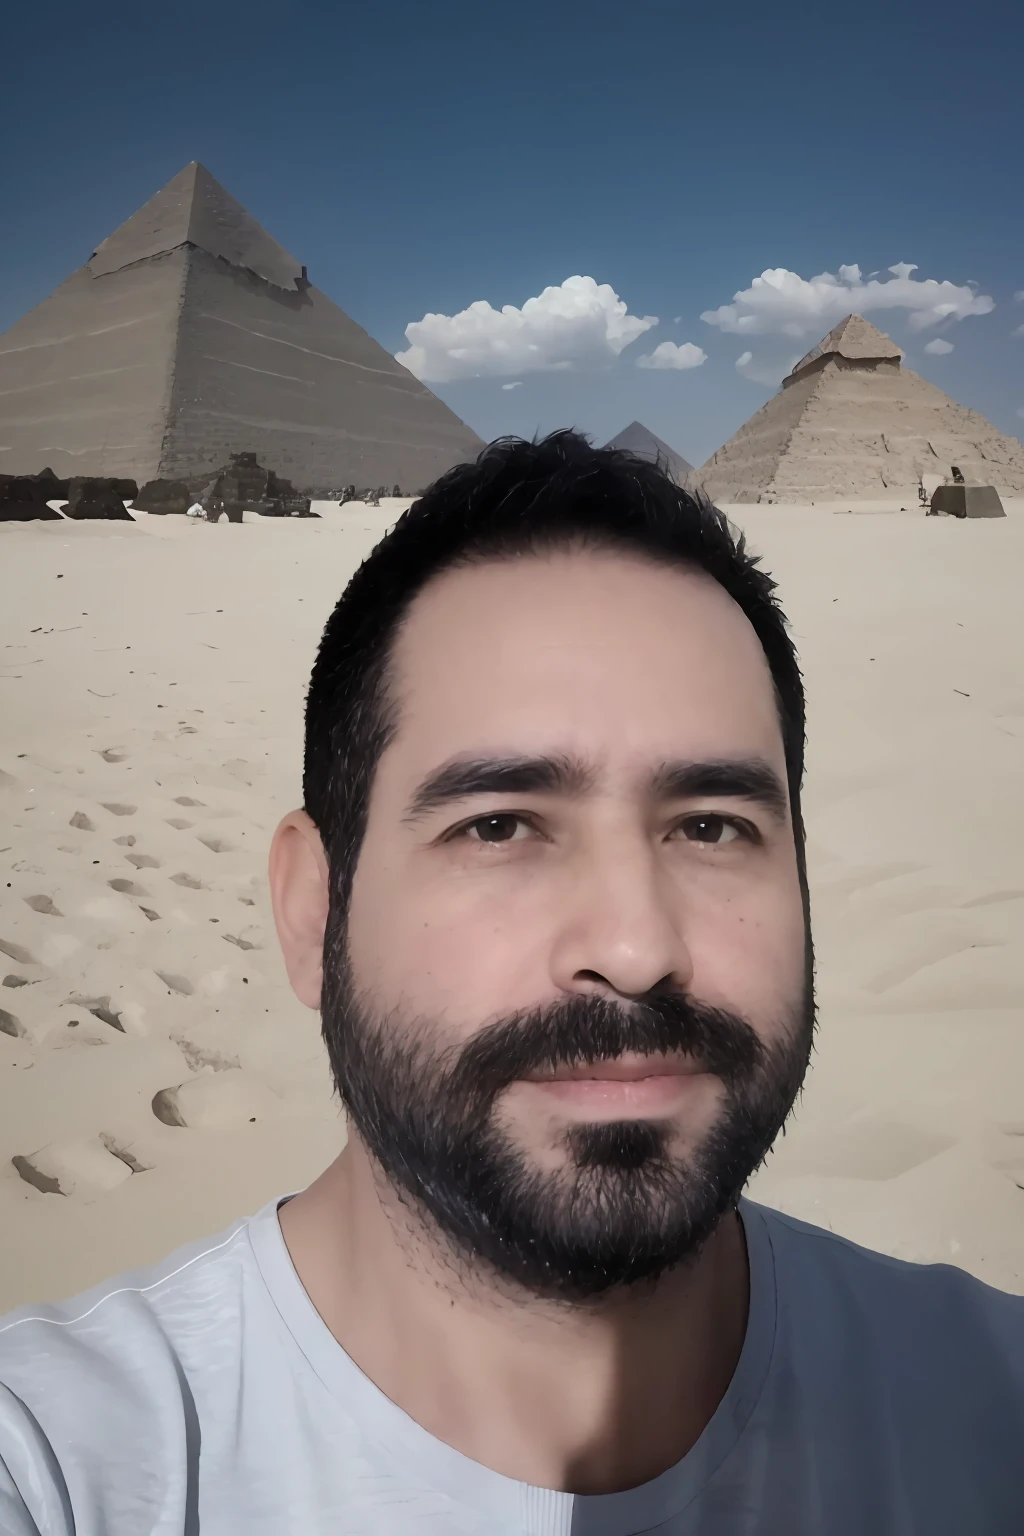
<point x="194" y="209"/>
<point x="638" y="439"/>
<point x="854" y="338"/>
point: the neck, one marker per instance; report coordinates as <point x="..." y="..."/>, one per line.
<point x="584" y="1399"/>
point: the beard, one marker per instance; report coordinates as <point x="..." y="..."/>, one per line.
<point x="625" y="1206"/>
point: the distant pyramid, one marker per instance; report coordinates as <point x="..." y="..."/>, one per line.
<point x="190" y="335"/>
<point x="851" y="423"/>
<point x="636" y="438"/>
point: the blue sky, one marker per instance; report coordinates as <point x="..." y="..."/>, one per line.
<point x="420" y="158"/>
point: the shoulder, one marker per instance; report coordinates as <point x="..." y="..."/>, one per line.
<point x="823" y="1278"/>
<point x="98" y="1393"/>
<point x="121" y="1341"/>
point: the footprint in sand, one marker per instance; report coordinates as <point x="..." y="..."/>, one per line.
<point x="15" y="981"/>
<point x="217" y="844"/>
<point x="190" y="882"/>
<point x="216" y="1101"/>
<point x="154" y="917"/>
<point x="100" y="1009"/>
<point x="143" y="860"/>
<point x="10" y="1025"/>
<point x="117" y="809"/>
<point x="81" y="822"/>
<point x="229" y="938"/>
<point x="179" y="984"/>
<point x="179" y="823"/>
<point x="43" y="905"/>
<point x="83" y="1169"/>
<point x="72" y="1029"/>
<point x="126" y="842"/>
<point x="200" y="1058"/>
<point x="16" y="953"/>
<point x="127" y="887"/>
<point x="112" y="755"/>
<point x="247" y="901"/>
<point x="186" y="800"/>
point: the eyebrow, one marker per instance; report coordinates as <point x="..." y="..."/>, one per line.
<point x="464" y="778"/>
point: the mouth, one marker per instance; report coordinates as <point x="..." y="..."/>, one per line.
<point x="620" y="1069"/>
<point x="626" y="1087"/>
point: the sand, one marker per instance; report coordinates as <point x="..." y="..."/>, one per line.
<point x="157" y="1076"/>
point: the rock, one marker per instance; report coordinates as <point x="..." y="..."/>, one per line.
<point x="51" y="488"/>
<point x="92" y="497"/>
<point x="164" y="497"/>
<point x="23" y="499"/>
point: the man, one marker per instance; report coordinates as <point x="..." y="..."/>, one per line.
<point x="548" y="892"/>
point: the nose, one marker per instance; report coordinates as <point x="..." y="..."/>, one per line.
<point x="621" y="929"/>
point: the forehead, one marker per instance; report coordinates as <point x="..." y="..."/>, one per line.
<point x="598" y="652"/>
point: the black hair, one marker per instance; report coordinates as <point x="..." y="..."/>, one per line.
<point x="518" y="498"/>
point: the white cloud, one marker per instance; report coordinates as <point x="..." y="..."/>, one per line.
<point x="938" y="347"/>
<point x="580" y="324"/>
<point x="517" y="385"/>
<point x="781" y="303"/>
<point x="770" y="370"/>
<point x="669" y="355"/>
<point x="1018" y="297"/>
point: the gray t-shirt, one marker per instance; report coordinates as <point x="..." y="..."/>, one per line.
<point x="206" y="1397"/>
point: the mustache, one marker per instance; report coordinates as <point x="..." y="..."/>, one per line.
<point x="585" y="1030"/>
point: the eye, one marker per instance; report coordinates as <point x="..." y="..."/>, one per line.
<point x="494" y="830"/>
<point x="716" y="831"/>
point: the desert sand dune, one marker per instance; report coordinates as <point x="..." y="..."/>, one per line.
<point x="157" y="1076"/>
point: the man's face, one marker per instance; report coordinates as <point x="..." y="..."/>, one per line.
<point x="571" y="1004"/>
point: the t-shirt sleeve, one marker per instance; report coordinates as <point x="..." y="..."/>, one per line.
<point x="33" y="1495"/>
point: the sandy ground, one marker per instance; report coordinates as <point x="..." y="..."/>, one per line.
<point x="152" y="680"/>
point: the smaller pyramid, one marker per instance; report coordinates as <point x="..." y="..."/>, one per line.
<point x="638" y="439"/>
<point x="850" y="422"/>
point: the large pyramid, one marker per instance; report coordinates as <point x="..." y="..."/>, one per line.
<point x="189" y="335"/>
<point x="638" y="439"/>
<point x="850" y="422"/>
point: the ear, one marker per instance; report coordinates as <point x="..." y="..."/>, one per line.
<point x="299" y="895"/>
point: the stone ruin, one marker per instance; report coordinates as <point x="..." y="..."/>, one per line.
<point x="964" y="499"/>
<point x="244" y="485"/>
<point x="23" y="498"/>
<point x="164" y="497"/>
<point x="92" y="497"/>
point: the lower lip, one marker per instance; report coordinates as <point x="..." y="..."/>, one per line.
<point x="638" y="1096"/>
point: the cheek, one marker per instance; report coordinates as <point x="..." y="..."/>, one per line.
<point x="748" y="954"/>
<point x="443" y="947"/>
